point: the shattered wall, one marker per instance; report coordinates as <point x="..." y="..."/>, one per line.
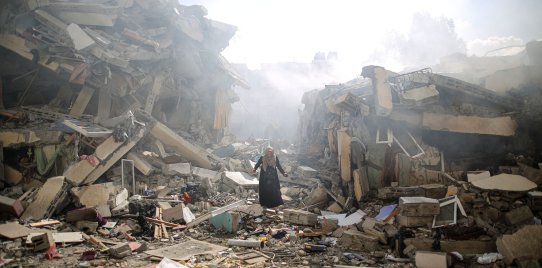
<point x="417" y="124"/>
<point x="105" y="58"/>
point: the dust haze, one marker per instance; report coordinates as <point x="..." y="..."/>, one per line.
<point x="291" y="53"/>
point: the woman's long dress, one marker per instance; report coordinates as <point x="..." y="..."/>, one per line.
<point x="269" y="186"/>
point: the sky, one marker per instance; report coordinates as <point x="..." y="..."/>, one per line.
<point x="294" y="30"/>
<point x="399" y="35"/>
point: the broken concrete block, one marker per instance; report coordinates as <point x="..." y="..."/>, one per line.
<point x="418" y="206"/>
<point x="526" y="242"/>
<point x="500" y="126"/>
<point x="505" y="182"/>
<point x="140" y="163"/>
<point x="205" y="173"/>
<point x="191" y="152"/>
<point x="77" y="172"/>
<point x="13" y="230"/>
<point x="301" y="217"/>
<point x="121" y="209"/>
<point x="318" y="195"/>
<point x="412" y="221"/>
<point x="81" y="214"/>
<point x="173" y="214"/>
<point x="93" y="195"/>
<point x="80" y="39"/>
<point x="381" y="89"/>
<point x="344" y="140"/>
<point x="535" y="200"/>
<point x="120" y="198"/>
<point x="104" y="210"/>
<point x="88" y="227"/>
<point x="420" y="96"/>
<point x="120" y="251"/>
<point x="436" y="191"/>
<point x="427" y="259"/>
<point x="461" y="246"/>
<point x="181" y="169"/>
<point x="115" y="156"/>
<point x="42" y="241"/>
<point x="527" y="263"/>
<point x="477" y="175"/>
<point x="228" y="221"/>
<point x="11" y="206"/>
<point x="243" y="179"/>
<point x="49" y="197"/>
<point x="335" y="208"/>
<point x="306" y="172"/>
<point x="356" y="240"/>
<point x="12" y="176"/>
<point x="518" y="215"/>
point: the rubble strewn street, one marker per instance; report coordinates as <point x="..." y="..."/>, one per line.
<point x="114" y="118"/>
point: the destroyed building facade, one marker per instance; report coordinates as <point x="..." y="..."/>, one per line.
<point x="116" y="151"/>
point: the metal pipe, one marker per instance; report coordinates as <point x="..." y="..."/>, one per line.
<point x="246" y="243"/>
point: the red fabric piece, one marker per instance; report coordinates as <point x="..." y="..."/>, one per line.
<point x="51" y="253"/>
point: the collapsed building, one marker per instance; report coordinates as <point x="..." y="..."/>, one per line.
<point x="468" y="132"/>
<point x="115" y="151"/>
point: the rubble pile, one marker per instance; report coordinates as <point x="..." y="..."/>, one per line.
<point x="115" y="152"/>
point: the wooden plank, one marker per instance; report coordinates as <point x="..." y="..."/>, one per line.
<point x="44" y="223"/>
<point x="157" y="227"/>
<point x="82" y="100"/>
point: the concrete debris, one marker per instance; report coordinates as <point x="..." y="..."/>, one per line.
<point x="505" y="182"/>
<point x="11" y="206"/>
<point x="13" y="230"/>
<point x="523" y="243"/>
<point x="114" y="139"/>
<point x="426" y="259"/>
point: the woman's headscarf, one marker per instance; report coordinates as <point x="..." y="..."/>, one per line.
<point x="269" y="160"/>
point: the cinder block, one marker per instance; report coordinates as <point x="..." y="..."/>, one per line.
<point x="356" y="240"/>
<point x="419" y="206"/>
<point x="301" y="217"/>
<point x="43" y="241"/>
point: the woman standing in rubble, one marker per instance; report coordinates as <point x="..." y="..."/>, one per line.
<point x="269" y="186"/>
